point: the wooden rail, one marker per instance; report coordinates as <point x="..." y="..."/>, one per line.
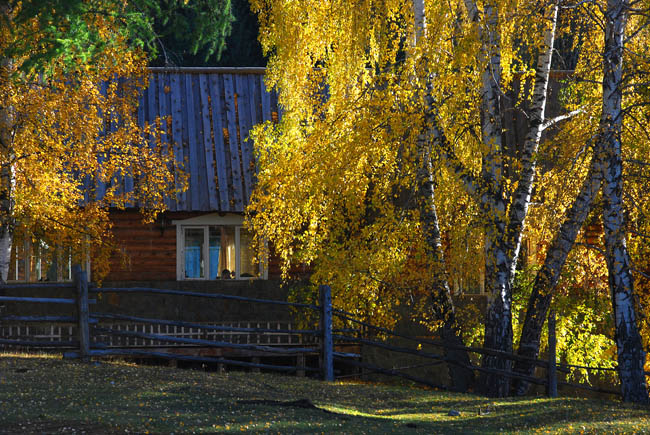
<point x="89" y="327"/>
<point x="90" y="331"/>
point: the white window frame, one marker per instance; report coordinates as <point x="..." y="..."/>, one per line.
<point x="204" y="222"/>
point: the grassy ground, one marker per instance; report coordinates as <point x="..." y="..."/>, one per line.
<point x="41" y="394"/>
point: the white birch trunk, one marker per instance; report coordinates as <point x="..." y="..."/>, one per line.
<point x="498" y="321"/>
<point x="631" y="357"/>
<point x="441" y="302"/>
<point x="549" y="274"/>
<point x="503" y="236"/>
<point x="522" y="196"/>
<point x="7" y="177"/>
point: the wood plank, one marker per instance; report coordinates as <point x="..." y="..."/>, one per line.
<point x="67" y="301"/>
<point x="128" y="178"/>
<point x="245" y="123"/>
<point x="266" y="101"/>
<point x="190" y="127"/>
<point x="184" y="293"/>
<point x="219" y="140"/>
<point x="100" y="186"/>
<point x="177" y="132"/>
<point x="116" y="183"/>
<point x="170" y="134"/>
<point x="202" y="186"/>
<point x="237" y="203"/>
<point x="256" y="117"/>
<point x="152" y="110"/>
<point x="254" y="86"/>
<point x="163" y="113"/>
<point x="37" y="319"/>
<point x="213" y="200"/>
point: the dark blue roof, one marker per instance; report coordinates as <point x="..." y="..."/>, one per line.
<point x="211" y="112"/>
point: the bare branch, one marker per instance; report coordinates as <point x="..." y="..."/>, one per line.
<point x="553" y="121"/>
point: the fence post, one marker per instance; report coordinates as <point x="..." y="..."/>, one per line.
<point x="327" y="345"/>
<point x="81" y="284"/>
<point x="552" y="369"/>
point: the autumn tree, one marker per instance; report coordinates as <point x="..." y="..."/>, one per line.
<point x="375" y="127"/>
<point x="458" y="74"/>
<point x="67" y="116"/>
<point x="623" y="102"/>
<point x="88" y="57"/>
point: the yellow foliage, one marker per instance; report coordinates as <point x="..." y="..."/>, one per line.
<point x="336" y="174"/>
<point x="72" y="128"/>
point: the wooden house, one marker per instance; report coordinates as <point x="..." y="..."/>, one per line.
<point x="209" y="113"/>
<point x="198" y="244"/>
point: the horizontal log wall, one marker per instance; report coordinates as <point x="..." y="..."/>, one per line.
<point x="147" y="252"/>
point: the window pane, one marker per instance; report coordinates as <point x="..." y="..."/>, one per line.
<point x="226" y="260"/>
<point x="215" y="252"/>
<point x="249" y="268"/>
<point x="194" y="253"/>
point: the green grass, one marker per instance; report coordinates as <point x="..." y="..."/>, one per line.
<point x="40" y="394"/>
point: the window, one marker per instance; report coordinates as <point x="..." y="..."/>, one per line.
<point x="215" y="247"/>
<point x="32" y="260"/>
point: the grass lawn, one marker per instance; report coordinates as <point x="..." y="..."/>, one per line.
<point x="40" y="394"/>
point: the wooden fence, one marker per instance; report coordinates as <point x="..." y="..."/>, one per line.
<point x="93" y="339"/>
<point x="90" y="337"/>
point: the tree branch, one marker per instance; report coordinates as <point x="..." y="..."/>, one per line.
<point x="554" y="121"/>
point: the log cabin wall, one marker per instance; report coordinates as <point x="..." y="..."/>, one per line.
<point x="147" y="252"/>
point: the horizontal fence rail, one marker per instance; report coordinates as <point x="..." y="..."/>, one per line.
<point x="102" y="334"/>
<point x="95" y="334"/>
<point x="43" y="300"/>
<point x="202" y="295"/>
<point x="443" y="344"/>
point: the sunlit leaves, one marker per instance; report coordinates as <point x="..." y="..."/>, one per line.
<point x="74" y="129"/>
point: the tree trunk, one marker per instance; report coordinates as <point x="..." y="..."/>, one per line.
<point x="498" y="319"/>
<point x="7" y="177"/>
<point x="522" y="195"/>
<point x="503" y="238"/>
<point x="548" y="276"/>
<point x="441" y="302"/>
<point x="631" y="357"/>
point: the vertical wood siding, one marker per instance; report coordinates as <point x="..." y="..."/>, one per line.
<point x="205" y="117"/>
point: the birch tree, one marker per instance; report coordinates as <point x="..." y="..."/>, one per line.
<point x="334" y="163"/>
<point x="441" y="302"/>
<point x="376" y="127"/>
<point x="7" y="181"/>
<point x="606" y="170"/>
<point x="631" y="357"/>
